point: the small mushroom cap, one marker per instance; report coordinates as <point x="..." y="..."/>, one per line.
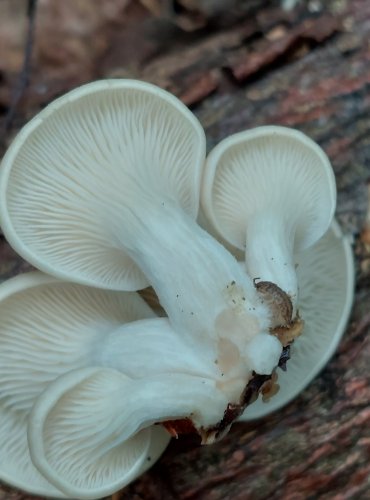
<point x="269" y="170"/>
<point x="91" y="424"/>
<point x="74" y="435"/>
<point x="326" y="282"/>
<point x="74" y="176"/>
<point x="47" y="328"/>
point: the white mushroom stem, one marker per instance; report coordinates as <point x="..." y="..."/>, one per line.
<point x="200" y="285"/>
<point x="150" y="347"/>
<point x="159" y="349"/>
<point x="269" y="252"/>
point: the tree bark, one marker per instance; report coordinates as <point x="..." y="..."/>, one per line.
<point x="248" y="65"/>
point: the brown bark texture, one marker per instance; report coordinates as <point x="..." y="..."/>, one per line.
<point x="237" y="64"/>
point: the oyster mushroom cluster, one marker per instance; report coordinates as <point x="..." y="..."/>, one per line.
<point x="101" y="192"/>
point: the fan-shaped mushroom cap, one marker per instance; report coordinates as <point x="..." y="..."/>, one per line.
<point x="264" y="169"/>
<point x="81" y="429"/>
<point x="326" y="283"/>
<point x="269" y="191"/>
<point x="47" y="328"/>
<point x="71" y="176"/>
<point x="74" y="434"/>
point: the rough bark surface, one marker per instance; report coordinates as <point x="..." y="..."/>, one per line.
<point x="239" y="66"/>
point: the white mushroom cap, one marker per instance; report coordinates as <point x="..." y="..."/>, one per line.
<point x="83" y="428"/>
<point x="269" y="168"/>
<point x="47" y="328"/>
<point x="75" y="437"/>
<point x="71" y="177"/>
<point x="269" y="191"/>
<point x="326" y="283"/>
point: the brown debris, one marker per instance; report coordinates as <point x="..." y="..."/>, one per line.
<point x="264" y="384"/>
<point x="180" y="426"/>
<point x="151" y="298"/>
<point x="277" y="301"/>
<point x="270" y="388"/>
<point x="287" y="334"/>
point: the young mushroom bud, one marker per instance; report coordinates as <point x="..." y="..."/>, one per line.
<point x="271" y="192"/>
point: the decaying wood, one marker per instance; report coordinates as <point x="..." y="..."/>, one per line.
<point x="240" y="67"/>
<point x="23" y="78"/>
